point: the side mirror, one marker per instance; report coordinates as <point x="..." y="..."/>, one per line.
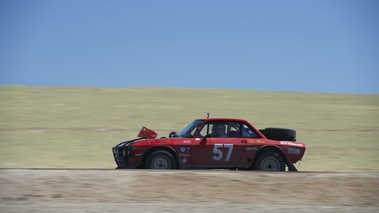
<point x="173" y="135"/>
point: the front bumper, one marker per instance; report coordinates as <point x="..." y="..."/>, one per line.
<point x="123" y="165"/>
<point x="121" y="156"/>
<point x="124" y="157"/>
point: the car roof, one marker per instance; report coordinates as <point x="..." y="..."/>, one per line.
<point x="224" y="119"/>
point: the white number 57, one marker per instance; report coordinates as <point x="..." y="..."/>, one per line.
<point x="218" y="152"/>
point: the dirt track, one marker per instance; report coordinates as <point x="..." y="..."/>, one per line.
<point x="23" y="190"/>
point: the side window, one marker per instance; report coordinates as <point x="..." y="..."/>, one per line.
<point x="206" y="130"/>
<point x="193" y="131"/>
<point x="219" y="130"/>
<point x="227" y="129"/>
<point x="247" y="132"/>
<point x="234" y="130"/>
<point x="215" y="129"/>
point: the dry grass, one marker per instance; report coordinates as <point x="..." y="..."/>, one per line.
<point x="75" y="127"/>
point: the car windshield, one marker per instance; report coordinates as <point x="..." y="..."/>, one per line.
<point x="190" y="129"/>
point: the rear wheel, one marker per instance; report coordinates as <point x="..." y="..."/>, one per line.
<point x="160" y="160"/>
<point x="269" y="161"/>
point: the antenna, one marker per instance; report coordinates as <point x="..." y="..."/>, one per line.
<point x="208" y="115"/>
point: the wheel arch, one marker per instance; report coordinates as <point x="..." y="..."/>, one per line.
<point x="278" y="150"/>
<point x="156" y="148"/>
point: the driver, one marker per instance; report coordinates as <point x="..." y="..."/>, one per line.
<point x="218" y="130"/>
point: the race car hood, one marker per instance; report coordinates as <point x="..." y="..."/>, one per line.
<point x="143" y="134"/>
<point x="127" y="143"/>
<point x="147" y="133"/>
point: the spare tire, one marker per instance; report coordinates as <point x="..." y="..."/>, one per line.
<point x="280" y="134"/>
<point x="263" y="132"/>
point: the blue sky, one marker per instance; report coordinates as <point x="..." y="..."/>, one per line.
<point x="295" y="45"/>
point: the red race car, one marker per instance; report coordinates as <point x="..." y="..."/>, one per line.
<point x="212" y="143"/>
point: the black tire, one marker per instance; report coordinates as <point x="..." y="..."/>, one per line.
<point x="280" y="134"/>
<point x="269" y="161"/>
<point x="160" y="160"/>
<point x="263" y="132"/>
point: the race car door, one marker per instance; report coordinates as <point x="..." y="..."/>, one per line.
<point x="217" y="150"/>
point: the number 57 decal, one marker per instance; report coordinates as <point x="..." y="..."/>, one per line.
<point x="218" y="152"/>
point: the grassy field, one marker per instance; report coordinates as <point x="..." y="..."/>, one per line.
<point x="75" y="127"/>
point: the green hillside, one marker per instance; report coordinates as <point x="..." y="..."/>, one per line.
<point x="75" y="127"/>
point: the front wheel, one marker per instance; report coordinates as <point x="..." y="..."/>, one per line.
<point x="160" y="160"/>
<point x="269" y="161"/>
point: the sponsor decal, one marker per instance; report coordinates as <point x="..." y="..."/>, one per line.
<point x="185" y="151"/>
<point x="293" y="151"/>
<point x="184" y="160"/>
<point x="184" y="155"/>
<point x="186" y="141"/>
<point x="254" y="141"/>
<point x="290" y="143"/>
<point x="251" y="148"/>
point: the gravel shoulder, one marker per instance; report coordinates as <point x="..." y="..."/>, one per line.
<point x="58" y="190"/>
